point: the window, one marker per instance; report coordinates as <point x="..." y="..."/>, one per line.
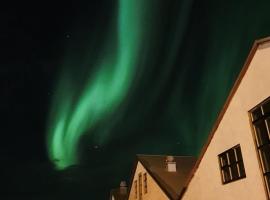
<point x="136" y="189"/>
<point x="145" y="182"/>
<point x="140" y="186"/>
<point x="260" y="117"/>
<point x="231" y="165"/>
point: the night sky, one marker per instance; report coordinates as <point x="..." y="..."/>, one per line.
<point x="121" y="77"/>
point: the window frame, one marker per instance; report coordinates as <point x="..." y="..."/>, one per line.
<point x="255" y="120"/>
<point x="228" y="166"/>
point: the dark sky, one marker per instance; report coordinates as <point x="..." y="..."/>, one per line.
<point x="194" y="52"/>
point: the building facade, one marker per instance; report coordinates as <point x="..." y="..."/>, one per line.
<point x="235" y="162"/>
<point x="159" y="177"/>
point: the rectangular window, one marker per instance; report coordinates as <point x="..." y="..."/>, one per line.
<point x="136" y="189"/>
<point x="260" y="116"/>
<point x="140" y="186"/>
<point x="145" y="182"/>
<point x="231" y="165"/>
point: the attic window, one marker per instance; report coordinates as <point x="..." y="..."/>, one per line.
<point x="136" y="189"/>
<point x="231" y="165"/>
<point x="140" y="186"/>
<point x="145" y="182"/>
<point x="260" y="116"/>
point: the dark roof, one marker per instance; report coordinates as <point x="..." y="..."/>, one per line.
<point x="172" y="183"/>
<point x="117" y="194"/>
<point x="227" y="102"/>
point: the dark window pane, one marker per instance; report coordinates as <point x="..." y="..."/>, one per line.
<point x="136" y="189"/>
<point x="223" y="160"/>
<point x="241" y="169"/>
<point x="268" y="122"/>
<point x="265" y="156"/>
<point x="140" y="186"/>
<point x="256" y="114"/>
<point x="234" y="171"/>
<point x="261" y="133"/>
<point x="226" y="174"/>
<point x="238" y="153"/>
<point x="266" y="107"/>
<point x="231" y="156"/>
<point x="145" y="182"/>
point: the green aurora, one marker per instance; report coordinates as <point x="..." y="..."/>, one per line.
<point x="104" y="91"/>
<point x="74" y="118"/>
<point x="115" y="87"/>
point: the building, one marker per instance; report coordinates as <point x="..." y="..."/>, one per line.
<point x="159" y="177"/>
<point x="235" y="162"/>
<point x="119" y="193"/>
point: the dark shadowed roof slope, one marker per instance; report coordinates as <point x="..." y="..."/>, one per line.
<point x="172" y="183"/>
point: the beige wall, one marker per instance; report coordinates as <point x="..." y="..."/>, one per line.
<point x="154" y="191"/>
<point x="235" y="129"/>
